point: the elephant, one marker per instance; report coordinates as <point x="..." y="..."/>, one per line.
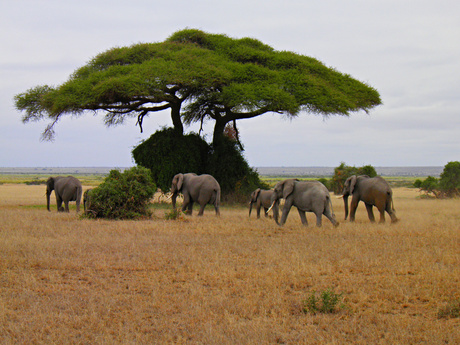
<point x="307" y="196"/>
<point x="66" y="188"/>
<point x="261" y="198"/>
<point x="87" y="200"/>
<point x="373" y="191"/>
<point x="203" y="189"/>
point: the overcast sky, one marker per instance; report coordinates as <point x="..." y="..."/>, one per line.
<point x="409" y="50"/>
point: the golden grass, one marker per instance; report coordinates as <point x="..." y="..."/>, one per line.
<point x="226" y="280"/>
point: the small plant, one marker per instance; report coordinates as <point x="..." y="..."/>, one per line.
<point x="326" y="303"/>
<point x="452" y="310"/>
<point x="173" y="215"/>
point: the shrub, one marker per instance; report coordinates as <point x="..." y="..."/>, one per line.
<point x="122" y="195"/>
<point x="449" y="182"/>
<point x="327" y="302"/>
<point x="167" y="153"/>
<point x="452" y="310"/>
<point x="236" y="178"/>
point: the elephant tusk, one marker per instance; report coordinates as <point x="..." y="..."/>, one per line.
<point x="340" y="197"/>
<point x="271" y="207"/>
<point x="169" y="197"/>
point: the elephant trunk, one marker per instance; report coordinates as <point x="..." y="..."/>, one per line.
<point x="173" y="199"/>
<point x="250" y="208"/>
<point x="276" y="212"/>
<point x="48" y="194"/>
<point x="345" y="201"/>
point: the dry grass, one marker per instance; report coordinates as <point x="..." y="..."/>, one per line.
<point x="227" y="280"/>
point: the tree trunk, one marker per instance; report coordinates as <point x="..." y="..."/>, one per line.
<point x="176" y="119"/>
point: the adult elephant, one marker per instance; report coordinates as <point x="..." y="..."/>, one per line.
<point x="203" y="189"/>
<point x="66" y="188"/>
<point x="261" y="198"/>
<point x="373" y="191"/>
<point x="307" y="196"/>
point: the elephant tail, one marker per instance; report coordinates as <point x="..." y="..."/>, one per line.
<point x="217" y="201"/>
<point x="330" y="204"/>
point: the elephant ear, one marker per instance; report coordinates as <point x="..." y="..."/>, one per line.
<point x="288" y="188"/>
<point x="352" y="183"/>
<point x="50" y="184"/>
<point x="180" y="181"/>
<point x="256" y="194"/>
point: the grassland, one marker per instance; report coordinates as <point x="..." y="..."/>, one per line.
<point x="228" y="279"/>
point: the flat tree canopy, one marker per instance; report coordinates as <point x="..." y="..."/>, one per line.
<point x="199" y="77"/>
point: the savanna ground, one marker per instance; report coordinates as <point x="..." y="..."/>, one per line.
<point x="228" y="279"/>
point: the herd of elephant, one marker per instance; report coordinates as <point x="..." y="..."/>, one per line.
<point x="307" y="196"/>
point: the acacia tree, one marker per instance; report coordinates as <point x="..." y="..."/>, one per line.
<point x="218" y="78"/>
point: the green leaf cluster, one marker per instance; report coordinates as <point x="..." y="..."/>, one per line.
<point x="122" y="195"/>
<point x="166" y="154"/>
<point x="447" y="186"/>
<point x="327" y="302"/>
<point x="216" y="77"/>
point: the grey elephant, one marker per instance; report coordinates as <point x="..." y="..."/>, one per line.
<point x="203" y="189"/>
<point x="373" y="191"/>
<point x="261" y="198"/>
<point x="307" y="196"/>
<point x="66" y="189"/>
<point x="87" y="200"/>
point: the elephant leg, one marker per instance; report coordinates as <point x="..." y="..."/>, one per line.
<point x="353" y="207"/>
<point x="285" y="214"/>
<point x="265" y="212"/>
<point x="59" y="204"/>
<point x="303" y="217"/>
<point x="328" y="214"/>
<point x="382" y="215"/>
<point x="216" y="207"/>
<point x="370" y="213"/>
<point x="202" y="206"/>
<point x="258" y="211"/>
<point x="190" y="208"/>
<point x="66" y="204"/>
<point x="391" y="213"/>
<point x="319" y="220"/>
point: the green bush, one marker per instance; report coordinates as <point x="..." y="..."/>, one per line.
<point x="326" y="303"/>
<point x="167" y="153"/>
<point x="122" y="195"/>
<point x="451" y="310"/>
<point x="449" y="182"/>
<point x="448" y="186"/>
<point x="236" y="178"/>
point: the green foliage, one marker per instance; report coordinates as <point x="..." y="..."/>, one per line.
<point x="122" y="195"/>
<point x="449" y="182"/>
<point x="236" y="178"/>
<point x="327" y="302"/>
<point x="451" y="310"/>
<point x="167" y="153"/>
<point x="448" y="186"/>
<point x="220" y="78"/>
<point x="343" y="171"/>
<point x="174" y="214"/>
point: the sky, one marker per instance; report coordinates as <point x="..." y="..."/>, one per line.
<point x="408" y="50"/>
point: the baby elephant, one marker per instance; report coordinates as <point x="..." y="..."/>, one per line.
<point x="373" y="191"/>
<point x="261" y="198"/>
<point x="307" y="196"/>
